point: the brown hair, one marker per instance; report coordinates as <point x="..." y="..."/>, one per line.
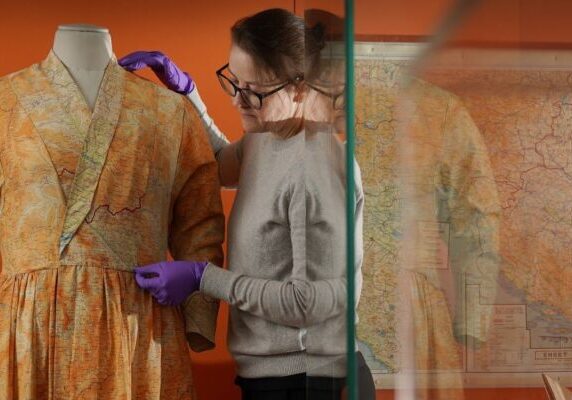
<point x="275" y="39"/>
<point x="322" y="26"/>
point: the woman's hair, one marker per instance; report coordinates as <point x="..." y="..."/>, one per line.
<point x="285" y="45"/>
<point x="275" y="39"/>
<point x="321" y="26"/>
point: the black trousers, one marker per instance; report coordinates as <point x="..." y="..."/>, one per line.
<point x="303" y="387"/>
<point x="366" y="386"/>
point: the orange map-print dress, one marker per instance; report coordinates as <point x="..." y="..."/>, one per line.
<point x="84" y="198"/>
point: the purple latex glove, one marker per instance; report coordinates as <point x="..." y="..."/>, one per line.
<point x="171" y="282"/>
<point x="166" y="70"/>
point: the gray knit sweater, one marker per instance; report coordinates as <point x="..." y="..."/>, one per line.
<point x="287" y="257"/>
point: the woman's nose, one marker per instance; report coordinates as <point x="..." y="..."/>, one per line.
<point x="236" y="100"/>
<point x="239" y="102"/>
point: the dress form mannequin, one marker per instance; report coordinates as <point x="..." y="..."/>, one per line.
<point x="85" y="50"/>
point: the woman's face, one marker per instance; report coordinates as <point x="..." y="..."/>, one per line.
<point x="280" y="109"/>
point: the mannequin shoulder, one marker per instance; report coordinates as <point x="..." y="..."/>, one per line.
<point x="28" y="73"/>
<point x="145" y="87"/>
<point x="8" y="98"/>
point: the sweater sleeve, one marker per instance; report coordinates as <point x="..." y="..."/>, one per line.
<point x="358" y="238"/>
<point x="296" y="301"/>
<point x="228" y="155"/>
<point x="217" y="139"/>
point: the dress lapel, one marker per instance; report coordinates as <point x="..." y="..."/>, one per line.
<point x="75" y="140"/>
<point x="94" y="152"/>
<point x="52" y="100"/>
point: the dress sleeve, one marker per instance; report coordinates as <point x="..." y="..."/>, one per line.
<point x="197" y="223"/>
<point x="474" y="207"/>
<point x="1" y="203"/>
<point x="5" y="119"/>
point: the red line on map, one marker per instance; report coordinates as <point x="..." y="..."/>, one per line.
<point x="64" y="171"/>
<point x="107" y="207"/>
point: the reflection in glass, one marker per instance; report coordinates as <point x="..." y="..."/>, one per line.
<point x="323" y="123"/>
<point x="465" y="163"/>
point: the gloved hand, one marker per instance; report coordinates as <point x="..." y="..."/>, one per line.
<point x="171" y="282"/>
<point x="178" y="81"/>
<point x="171" y="75"/>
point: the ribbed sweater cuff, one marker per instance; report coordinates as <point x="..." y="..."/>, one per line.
<point x="217" y="282"/>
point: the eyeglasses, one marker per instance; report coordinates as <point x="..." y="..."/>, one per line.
<point x="338" y="99"/>
<point x="250" y="97"/>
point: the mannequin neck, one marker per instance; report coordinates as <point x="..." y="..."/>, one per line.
<point x="85" y="50"/>
<point x="83" y="47"/>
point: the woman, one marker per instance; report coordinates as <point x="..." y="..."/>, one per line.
<point x="285" y="282"/>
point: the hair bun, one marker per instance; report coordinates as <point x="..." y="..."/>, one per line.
<point x="319" y="35"/>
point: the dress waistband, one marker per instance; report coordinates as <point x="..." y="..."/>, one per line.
<point x="20" y="271"/>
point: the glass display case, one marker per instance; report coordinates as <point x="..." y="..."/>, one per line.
<point x="462" y="133"/>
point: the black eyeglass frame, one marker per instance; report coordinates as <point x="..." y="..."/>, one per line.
<point x="334" y="97"/>
<point x="241" y="91"/>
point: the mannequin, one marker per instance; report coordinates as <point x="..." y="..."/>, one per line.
<point x="85" y="50"/>
<point x="94" y="193"/>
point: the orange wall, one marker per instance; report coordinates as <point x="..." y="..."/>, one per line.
<point x="196" y="35"/>
<point x="496" y="22"/>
